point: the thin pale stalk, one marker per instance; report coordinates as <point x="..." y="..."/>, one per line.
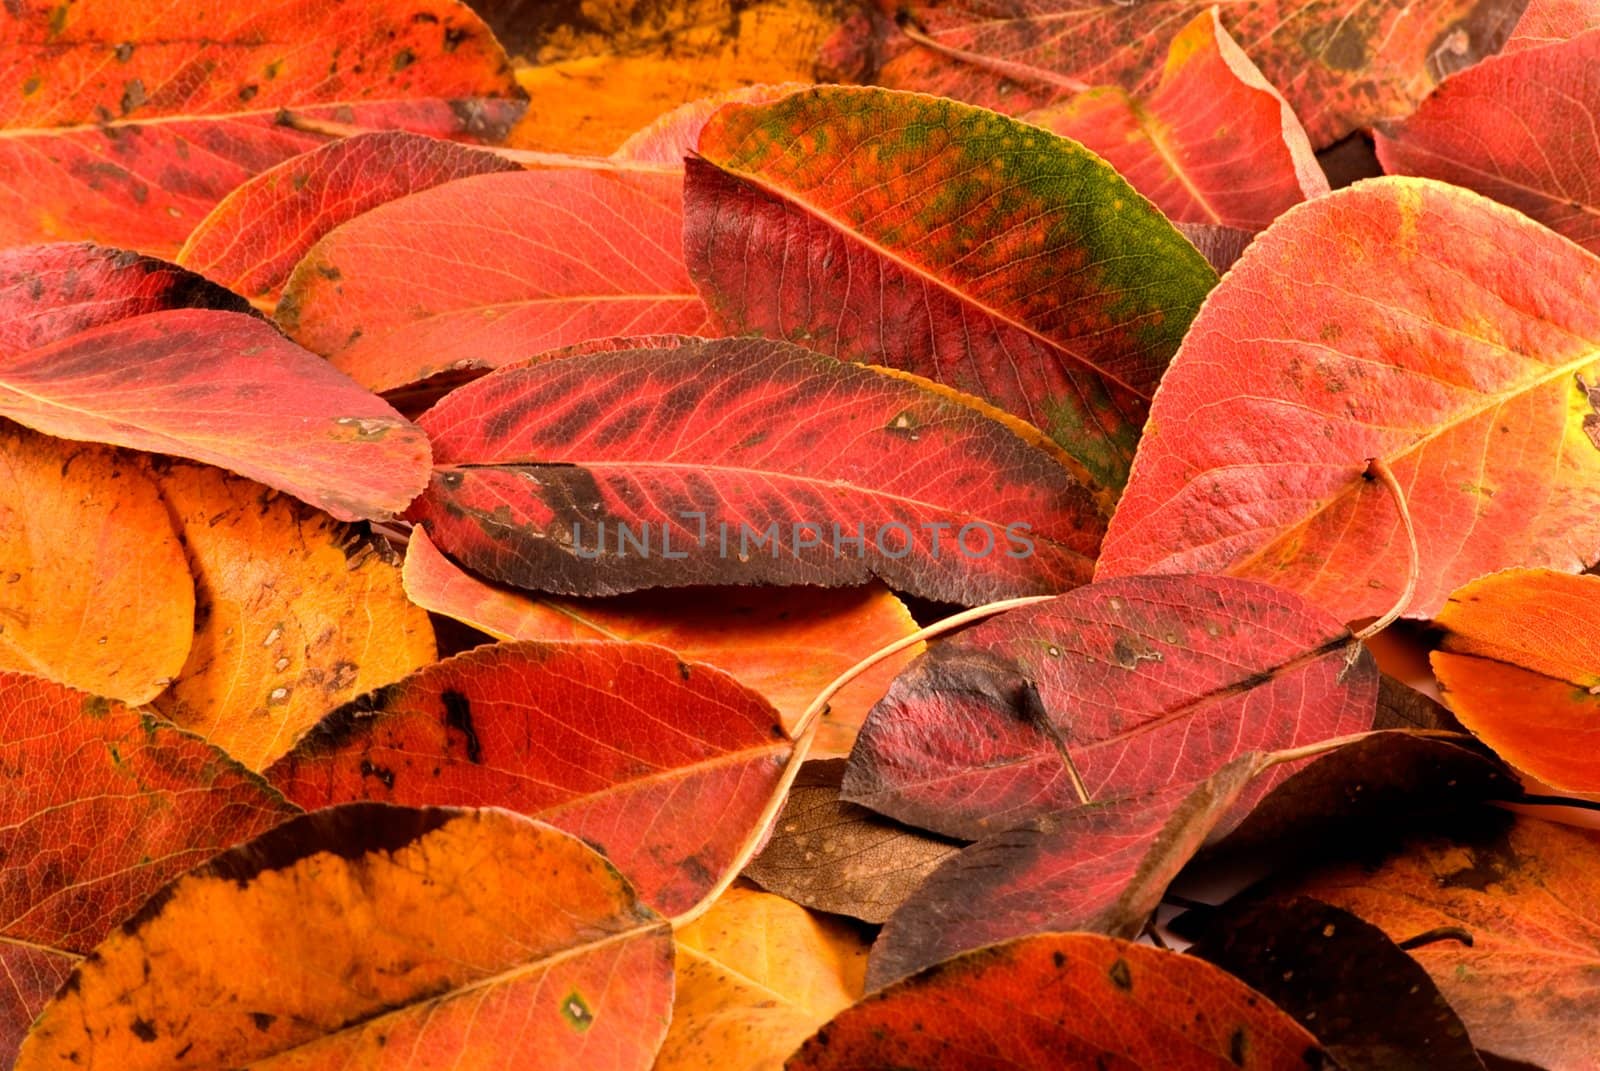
<point x="1379" y="469"/>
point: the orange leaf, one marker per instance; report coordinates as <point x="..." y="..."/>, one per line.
<point x="376" y="937"/>
<point x="1519" y="665"/>
<point x="756" y="975"/>
<point x="295" y="615"/>
<point x="786" y="643"/>
<point x="94" y="590"/>
<point x="1510" y="905"/>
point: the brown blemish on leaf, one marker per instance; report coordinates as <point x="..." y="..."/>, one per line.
<point x="458" y="716"/>
<point x="1121" y="975"/>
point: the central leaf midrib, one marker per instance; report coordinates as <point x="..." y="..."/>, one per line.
<point x="852" y="234"/>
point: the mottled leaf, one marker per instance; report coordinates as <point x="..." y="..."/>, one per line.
<point x="1213" y="142"/>
<point x="1520" y="128"/>
<point x="1372" y="1006"/>
<point x="1506" y="907"/>
<point x="756" y="975"/>
<point x="101" y="807"/>
<point x="51" y="292"/>
<point x="1519" y="665"/>
<point x="493" y="269"/>
<point x="226" y="389"/>
<point x="922" y="234"/>
<point x="840" y="857"/>
<point x="663" y="765"/>
<point x="256" y="235"/>
<point x="376" y="936"/>
<point x="746" y="461"/>
<point x="127" y="125"/>
<point x="1378" y="321"/>
<point x="94" y="590"/>
<point x="1146" y="683"/>
<point x="1071" y="1000"/>
<point x="788" y="644"/>
<point x="1342" y="64"/>
<point x="295" y="614"/>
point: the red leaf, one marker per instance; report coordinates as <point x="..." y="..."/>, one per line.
<point x="1545" y="22"/>
<point x="867" y="225"/>
<point x="1056" y="1001"/>
<point x="127" y="125"/>
<point x="745" y="461"/>
<point x="49" y="292"/>
<point x="663" y="765"/>
<point x="1214" y="142"/>
<point x="1523" y="129"/>
<point x="1341" y="65"/>
<point x="1377" y="322"/>
<point x="489" y="270"/>
<point x="103" y="806"/>
<point x="255" y="236"/>
<point x="226" y="389"/>
<point x="1146" y="682"/>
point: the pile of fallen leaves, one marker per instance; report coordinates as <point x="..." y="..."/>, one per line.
<point x="457" y="498"/>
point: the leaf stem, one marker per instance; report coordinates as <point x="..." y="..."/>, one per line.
<point x="1378" y="468"/>
<point x="805" y="731"/>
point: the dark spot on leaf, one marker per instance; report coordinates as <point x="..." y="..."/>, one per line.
<point x="263" y="1020"/>
<point x="1238" y="1046"/>
<point x="1120" y="975"/>
<point x="403" y="59"/>
<point x="576" y="1012"/>
<point x="144" y="1030"/>
<point x="124" y="52"/>
<point x="249" y="91"/>
<point x="458" y="716"/>
<point x="132" y="95"/>
<point x="383" y="774"/>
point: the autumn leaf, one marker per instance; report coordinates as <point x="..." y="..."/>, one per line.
<point x="664" y="766"/>
<point x="595" y="74"/>
<point x="1545" y="22"/>
<point x="123" y="126"/>
<point x="679" y="444"/>
<point x="756" y="976"/>
<point x="334" y="955"/>
<point x="1376" y="322"/>
<point x="1341" y="65"/>
<point x="1519" y="665"/>
<point x="1372" y="1006"/>
<point x="94" y="589"/>
<point x="863" y="223"/>
<point x="51" y="292"/>
<point x="103" y="806"/>
<point x="1144" y="683"/>
<point x="1101" y="868"/>
<point x="254" y="237"/>
<point x="840" y="857"/>
<point x="1505" y="907"/>
<point x="493" y="269"/>
<point x="223" y="388"/>
<point x="787" y="644"/>
<point x="295" y="614"/>
<point x="1063" y="1000"/>
<point x="1519" y="128"/>
<point x="1212" y="143"/>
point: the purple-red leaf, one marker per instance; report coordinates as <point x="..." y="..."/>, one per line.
<point x="746" y="461"/>
<point x="922" y="234"/>
<point x="1145" y="682"/>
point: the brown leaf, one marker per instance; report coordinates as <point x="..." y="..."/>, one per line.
<point x="840" y="857"/>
